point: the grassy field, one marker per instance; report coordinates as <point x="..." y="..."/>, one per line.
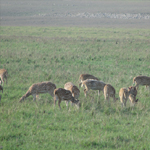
<point x="59" y="55"/>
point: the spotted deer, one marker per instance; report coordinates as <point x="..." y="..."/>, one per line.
<point x="132" y="99"/>
<point x="109" y="91"/>
<point x="83" y="77"/>
<point x="61" y="94"/>
<point x="3" y="75"/>
<point x="73" y="89"/>
<point x="130" y="93"/>
<point x="93" y="85"/>
<point x="141" y="80"/>
<point x="39" y="88"/>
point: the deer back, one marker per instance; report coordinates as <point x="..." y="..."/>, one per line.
<point x="142" y="80"/>
<point x="94" y="84"/>
<point x="68" y="85"/>
<point x="42" y="87"/>
<point x="87" y="76"/>
<point x="109" y="89"/>
<point x="63" y="94"/>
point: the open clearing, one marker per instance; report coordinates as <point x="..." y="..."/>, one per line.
<point x="57" y="41"/>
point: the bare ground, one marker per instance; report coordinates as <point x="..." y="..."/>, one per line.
<point x="84" y="13"/>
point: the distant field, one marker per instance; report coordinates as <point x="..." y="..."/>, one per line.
<point x="83" y="13"/>
<point x="59" y="55"/>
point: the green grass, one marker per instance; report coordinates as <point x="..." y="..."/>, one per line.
<point x="61" y="54"/>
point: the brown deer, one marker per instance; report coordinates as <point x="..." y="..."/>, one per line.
<point x="130" y="93"/>
<point x="132" y="99"/>
<point x="83" y="77"/>
<point x="39" y="88"/>
<point x="61" y="94"/>
<point x="141" y="80"/>
<point x="109" y="91"/>
<point x="73" y="89"/>
<point x="93" y="85"/>
<point x="3" y="75"/>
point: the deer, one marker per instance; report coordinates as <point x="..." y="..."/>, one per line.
<point x="39" y="88"/>
<point x="61" y="94"/>
<point x="109" y="91"/>
<point x="126" y="94"/>
<point x="3" y="75"/>
<point x="83" y="77"/>
<point x="141" y="80"/>
<point x="93" y="85"/>
<point x="132" y="99"/>
<point x="73" y="89"/>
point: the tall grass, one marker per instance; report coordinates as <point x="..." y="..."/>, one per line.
<point x="35" y="54"/>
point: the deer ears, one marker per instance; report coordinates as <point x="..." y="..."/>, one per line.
<point x="130" y="87"/>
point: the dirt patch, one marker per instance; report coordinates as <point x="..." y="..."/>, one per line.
<point x="84" y="13"/>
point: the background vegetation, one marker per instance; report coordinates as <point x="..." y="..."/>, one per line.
<point x="59" y="55"/>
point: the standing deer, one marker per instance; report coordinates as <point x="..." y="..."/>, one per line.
<point x="39" y="88"/>
<point x="83" y="77"/>
<point x="93" y="85"/>
<point x="73" y="89"/>
<point x="3" y="75"/>
<point x="61" y="94"/>
<point x="132" y="99"/>
<point x="141" y="80"/>
<point x="130" y="93"/>
<point x="109" y="91"/>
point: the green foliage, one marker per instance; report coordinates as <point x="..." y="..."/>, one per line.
<point x="61" y="54"/>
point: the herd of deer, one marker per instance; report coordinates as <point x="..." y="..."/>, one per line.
<point x="70" y="92"/>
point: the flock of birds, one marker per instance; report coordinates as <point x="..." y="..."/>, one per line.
<point x="71" y="92"/>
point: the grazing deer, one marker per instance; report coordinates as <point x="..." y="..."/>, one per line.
<point x="130" y="93"/>
<point x="93" y="85"/>
<point x="3" y="75"/>
<point x="83" y="77"/>
<point x="132" y="90"/>
<point x="132" y="99"/>
<point x="109" y="91"/>
<point x="61" y="94"/>
<point x="39" y="88"/>
<point x="73" y="89"/>
<point x="141" y="80"/>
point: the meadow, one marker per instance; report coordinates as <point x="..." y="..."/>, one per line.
<point x="59" y="55"/>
